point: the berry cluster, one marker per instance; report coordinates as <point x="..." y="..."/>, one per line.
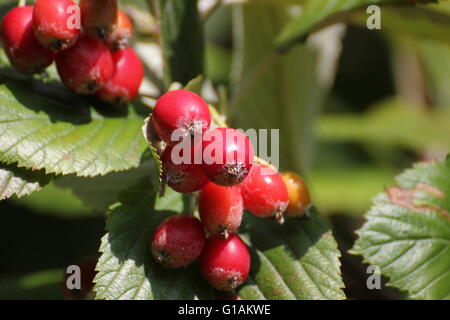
<point x="89" y="43"/>
<point x="220" y="164"/>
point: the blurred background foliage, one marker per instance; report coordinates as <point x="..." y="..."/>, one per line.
<point x="355" y="107"/>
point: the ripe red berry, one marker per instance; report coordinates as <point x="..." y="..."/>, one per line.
<point x="227" y="156"/>
<point x="181" y="111"/>
<point x="264" y="193"/>
<point x="99" y="17"/>
<point x="299" y="197"/>
<point x="24" y="52"/>
<point x="182" y="175"/>
<point x="120" y="37"/>
<point x="221" y="209"/>
<point x="124" y="85"/>
<point x="86" y="66"/>
<point x="178" y="241"/>
<point x="53" y="25"/>
<point x="225" y="263"/>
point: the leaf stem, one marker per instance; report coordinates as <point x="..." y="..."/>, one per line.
<point x="205" y="15"/>
<point x="193" y="203"/>
<point x="149" y="96"/>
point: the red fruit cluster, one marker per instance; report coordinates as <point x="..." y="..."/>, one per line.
<point x="181" y="239"/>
<point x="220" y="164"/>
<point x="89" y="43"/>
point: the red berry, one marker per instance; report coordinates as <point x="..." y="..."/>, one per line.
<point x="178" y="241"/>
<point x="227" y="156"/>
<point x="181" y="111"/>
<point x="24" y="52"/>
<point x="99" y="17"/>
<point x="221" y="209"/>
<point x="86" y="66"/>
<point x="52" y="23"/>
<point x="264" y="193"/>
<point x="120" y="38"/>
<point x="182" y="175"/>
<point x="124" y="85"/>
<point x="225" y="263"/>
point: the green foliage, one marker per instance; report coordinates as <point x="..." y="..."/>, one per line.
<point x="88" y="158"/>
<point x="182" y="39"/>
<point x="407" y="233"/>
<point x="20" y="181"/>
<point x="126" y="267"/>
<point x="394" y="122"/>
<point x="298" y="260"/>
<point x="274" y="91"/>
<point x="45" y="284"/>
<point x="39" y="131"/>
<point x="99" y="193"/>
<point x="315" y="13"/>
<point x="53" y="200"/>
<point x="421" y="22"/>
<point x="347" y="190"/>
<point x="436" y="58"/>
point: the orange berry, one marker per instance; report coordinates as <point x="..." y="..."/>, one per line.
<point x="120" y="37"/>
<point x="299" y="197"/>
<point x="99" y="17"/>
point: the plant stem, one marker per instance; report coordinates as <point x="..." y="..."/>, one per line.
<point x="153" y="5"/>
<point x="193" y="203"/>
<point x="149" y="96"/>
<point x="249" y="80"/>
<point x="217" y="118"/>
<point x="22" y="3"/>
<point x="208" y="13"/>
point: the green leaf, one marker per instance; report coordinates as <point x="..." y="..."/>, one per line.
<point x="297" y="260"/>
<point x="182" y="40"/>
<point x="273" y="91"/>
<point x="436" y="60"/>
<point x="46" y="284"/>
<point x="407" y="233"/>
<point x="218" y="63"/>
<point x="315" y="12"/>
<point x="19" y="181"/>
<point x="333" y="189"/>
<point x="126" y="267"/>
<point x="151" y="138"/>
<point x="417" y="22"/>
<point x="47" y="127"/>
<point x="55" y="201"/>
<point x="195" y="85"/>
<point x="99" y="193"/>
<point x="394" y="122"/>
